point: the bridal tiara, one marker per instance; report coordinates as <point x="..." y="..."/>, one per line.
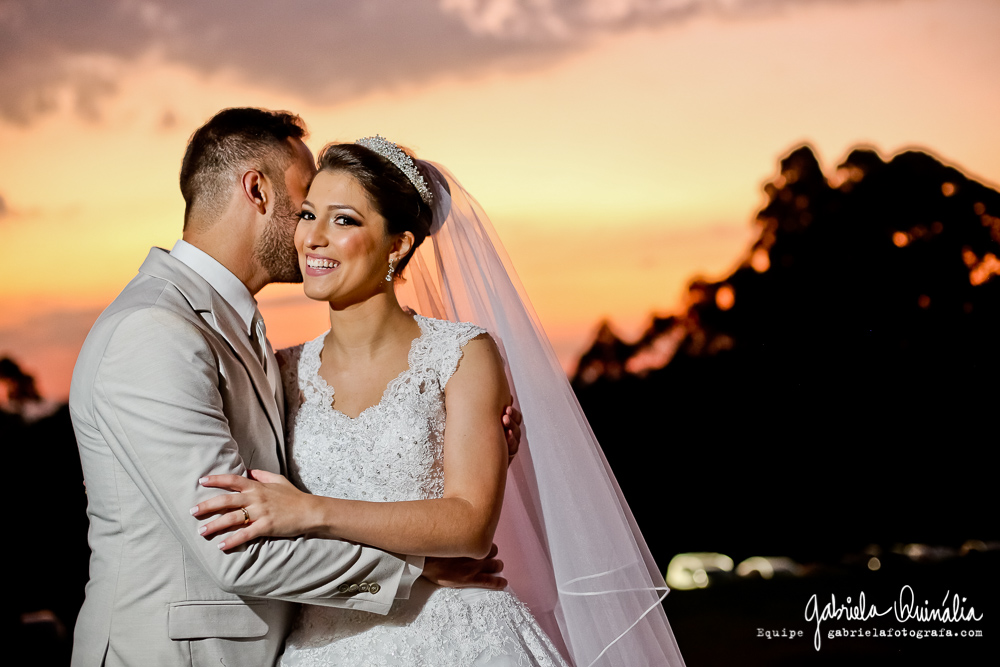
<point x="403" y="162"/>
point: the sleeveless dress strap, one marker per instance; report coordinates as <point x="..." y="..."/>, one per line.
<point x="439" y="349"/>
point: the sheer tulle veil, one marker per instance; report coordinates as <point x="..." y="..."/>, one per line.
<point x="571" y="548"/>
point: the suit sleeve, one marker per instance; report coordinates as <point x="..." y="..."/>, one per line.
<point x="158" y="405"/>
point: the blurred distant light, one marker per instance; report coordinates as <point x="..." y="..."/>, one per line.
<point x="901" y="239"/>
<point x="591" y="373"/>
<point x="755" y="564"/>
<point x="969" y="257"/>
<point x="689" y="571"/>
<point x="984" y="270"/>
<point x="937" y="227"/>
<point x="696" y="294"/>
<point x="924" y="301"/>
<point x="760" y="260"/>
<point x="720" y="343"/>
<point x="967" y="308"/>
<point x="725" y="297"/>
<point x="926" y="553"/>
<point x="993" y="223"/>
<point x="839" y="178"/>
<point x="973" y="545"/>
<point x="768" y="566"/>
<point x="948" y="189"/>
<point x="846" y="177"/>
<point x="979" y="207"/>
<point x="874" y="564"/>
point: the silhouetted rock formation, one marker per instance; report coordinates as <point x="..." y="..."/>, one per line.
<point x="840" y="384"/>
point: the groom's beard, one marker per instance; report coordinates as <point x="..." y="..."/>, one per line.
<point x="275" y="249"/>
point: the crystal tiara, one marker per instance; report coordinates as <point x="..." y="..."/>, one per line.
<point x="403" y="162"/>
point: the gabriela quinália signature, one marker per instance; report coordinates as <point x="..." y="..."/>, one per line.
<point x="905" y="609"/>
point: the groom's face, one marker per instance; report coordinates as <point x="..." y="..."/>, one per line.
<point x="275" y="247"/>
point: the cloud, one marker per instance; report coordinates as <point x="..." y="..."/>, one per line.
<point x="4" y="211"/>
<point x="53" y="51"/>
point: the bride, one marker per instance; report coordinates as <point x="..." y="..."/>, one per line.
<point x="392" y="430"/>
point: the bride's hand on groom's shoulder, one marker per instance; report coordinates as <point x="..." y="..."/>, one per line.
<point x="266" y="505"/>
<point x="466" y="572"/>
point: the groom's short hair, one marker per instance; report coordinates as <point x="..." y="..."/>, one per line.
<point x="222" y="149"/>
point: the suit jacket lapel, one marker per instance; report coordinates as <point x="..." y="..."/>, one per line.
<point x="223" y="318"/>
<point x="230" y="325"/>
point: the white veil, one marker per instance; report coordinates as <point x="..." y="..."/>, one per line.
<point x="571" y="548"/>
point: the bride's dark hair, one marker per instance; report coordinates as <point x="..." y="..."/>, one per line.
<point x="389" y="190"/>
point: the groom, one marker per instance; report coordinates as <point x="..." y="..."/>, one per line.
<point x="176" y="381"/>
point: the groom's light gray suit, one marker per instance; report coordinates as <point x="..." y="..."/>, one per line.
<point x="167" y="388"/>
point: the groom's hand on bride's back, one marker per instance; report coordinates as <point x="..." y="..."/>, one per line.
<point x="511" y="420"/>
<point x="466" y="572"/>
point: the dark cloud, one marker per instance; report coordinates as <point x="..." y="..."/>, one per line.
<point x="318" y="49"/>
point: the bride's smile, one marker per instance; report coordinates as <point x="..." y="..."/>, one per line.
<point x="319" y="266"/>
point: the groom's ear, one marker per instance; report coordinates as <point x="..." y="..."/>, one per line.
<point x="255" y="189"/>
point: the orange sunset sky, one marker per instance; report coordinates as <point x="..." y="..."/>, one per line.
<point x="619" y="146"/>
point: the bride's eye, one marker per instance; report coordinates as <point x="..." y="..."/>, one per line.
<point x="305" y="215"/>
<point x="345" y="220"/>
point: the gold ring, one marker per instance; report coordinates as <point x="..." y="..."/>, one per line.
<point x="246" y="515"/>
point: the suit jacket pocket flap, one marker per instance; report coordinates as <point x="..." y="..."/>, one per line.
<point x="229" y="619"/>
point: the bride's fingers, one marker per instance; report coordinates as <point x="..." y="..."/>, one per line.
<point x="231" y="482"/>
<point x="266" y="477"/>
<point x="227" y="501"/>
<point x="241" y="536"/>
<point x="227" y="521"/>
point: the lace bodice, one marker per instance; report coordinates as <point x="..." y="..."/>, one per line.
<point x="393" y="450"/>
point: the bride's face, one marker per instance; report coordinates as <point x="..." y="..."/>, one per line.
<point x="341" y="240"/>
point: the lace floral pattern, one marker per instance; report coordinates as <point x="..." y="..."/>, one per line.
<point x="393" y="451"/>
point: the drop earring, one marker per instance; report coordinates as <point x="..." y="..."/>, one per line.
<point x="392" y="269"/>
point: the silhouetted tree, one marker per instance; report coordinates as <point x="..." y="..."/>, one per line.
<point x="838" y="387"/>
<point x="20" y="386"/>
<point x="46" y="523"/>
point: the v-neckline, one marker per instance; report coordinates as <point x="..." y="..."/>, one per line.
<point x="332" y="391"/>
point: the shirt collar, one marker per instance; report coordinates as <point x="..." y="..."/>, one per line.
<point x="220" y="278"/>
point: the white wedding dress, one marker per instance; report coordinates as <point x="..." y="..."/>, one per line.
<point x="391" y="452"/>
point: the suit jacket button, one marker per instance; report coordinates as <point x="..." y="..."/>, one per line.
<point x="343" y="588"/>
<point x="363" y="587"/>
<point x="353" y="588"/>
<point x="374" y="588"/>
